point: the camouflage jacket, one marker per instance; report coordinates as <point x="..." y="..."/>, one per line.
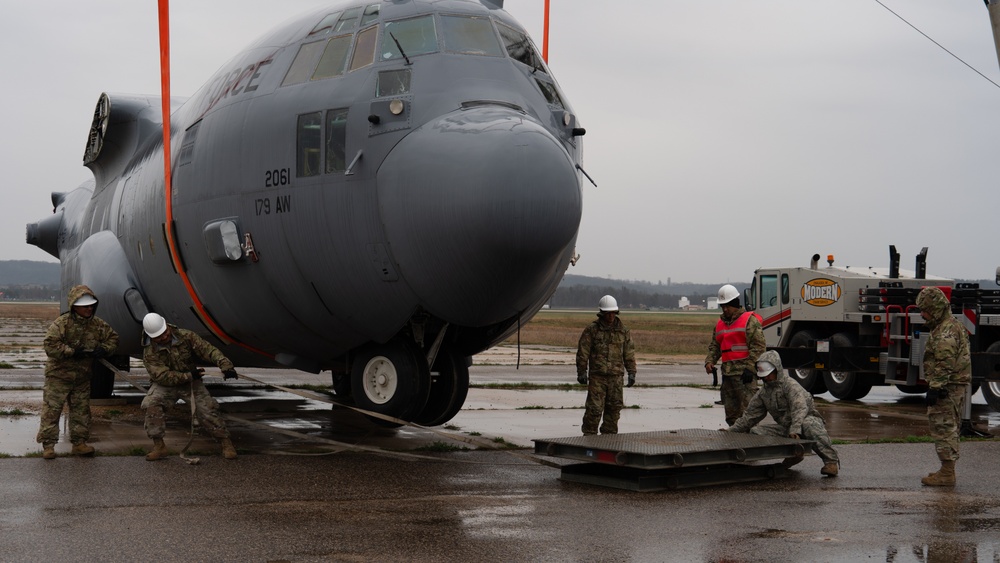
<point x="171" y="365"/>
<point x="784" y="399"/>
<point x="755" y="341"/>
<point x="606" y="349"/>
<point x="71" y="332"/>
<point x="946" y="355"/>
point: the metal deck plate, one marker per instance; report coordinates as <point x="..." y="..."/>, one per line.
<point x="671" y="448"/>
<point x="646" y="480"/>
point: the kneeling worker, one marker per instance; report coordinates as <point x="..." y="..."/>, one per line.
<point x="792" y="408"/>
<point x="169" y="354"/>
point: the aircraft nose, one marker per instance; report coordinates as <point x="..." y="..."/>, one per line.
<point x="481" y="209"/>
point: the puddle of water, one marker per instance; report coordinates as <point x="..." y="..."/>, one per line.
<point x="17" y="435"/>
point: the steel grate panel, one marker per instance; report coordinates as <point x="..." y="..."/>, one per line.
<point x="671" y="448"/>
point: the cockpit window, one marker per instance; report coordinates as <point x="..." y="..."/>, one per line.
<point x="349" y="20"/>
<point x="393" y="83"/>
<point x="334" y="58"/>
<point x="470" y="36"/>
<point x="336" y="140"/>
<point x="550" y="92"/>
<point x="305" y="61"/>
<point x="370" y="15"/>
<point x="416" y="36"/>
<point x="326" y="24"/>
<point x="364" y="48"/>
<point x="519" y="47"/>
<point x="308" y="144"/>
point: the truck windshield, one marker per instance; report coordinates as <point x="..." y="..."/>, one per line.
<point x="768" y="290"/>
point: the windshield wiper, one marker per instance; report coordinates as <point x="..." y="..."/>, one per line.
<point x="400" y="47"/>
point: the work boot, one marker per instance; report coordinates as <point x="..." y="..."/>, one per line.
<point x="82" y="449"/>
<point x="228" y="451"/>
<point x="830" y="468"/>
<point x="943" y="478"/>
<point x="159" y="450"/>
<point x="48" y="451"/>
<point x="790" y="461"/>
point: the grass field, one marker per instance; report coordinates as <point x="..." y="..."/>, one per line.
<point x="29" y="310"/>
<point x="658" y="333"/>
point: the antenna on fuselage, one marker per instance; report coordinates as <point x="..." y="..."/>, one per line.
<point x="545" y="34"/>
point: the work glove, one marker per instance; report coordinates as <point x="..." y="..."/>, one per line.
<point x="933" y="395"/>
<point x="709" y="368"/>
<point x="230" y="374"/>
<point x="99" y="353"/>
<point x="631" y="380"/>
<point x="196" y="373"/>
<point x="747" y="377"/>
<point x="80" y="353"/>
<point x="582" y="378"/>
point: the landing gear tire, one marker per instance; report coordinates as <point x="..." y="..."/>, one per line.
<point x="449" y="388"/>
<point x="810" y="379"/>
<point x="391" y="379"/>
<point x="846" y="385"/>
<point x="342" y="387"/>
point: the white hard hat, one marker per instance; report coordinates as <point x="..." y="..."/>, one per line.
<point x="154" y="325"/>
<point x="764" y="369"/>
<point x="727" y="293"/>
<point x="85" y="300"/>
<point x="607" y="304"/>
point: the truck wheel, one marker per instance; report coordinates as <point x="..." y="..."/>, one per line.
<point x="991" y="389"/>
<point x="913" y="389"/>
<point x="810" y="379"/>
<point x="846" y="385"/>
<point x="991" y="392"/>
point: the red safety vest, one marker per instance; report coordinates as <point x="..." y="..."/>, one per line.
<point x="732" y="338"/>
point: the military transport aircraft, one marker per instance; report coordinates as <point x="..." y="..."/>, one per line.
<point x="380" y="189"/>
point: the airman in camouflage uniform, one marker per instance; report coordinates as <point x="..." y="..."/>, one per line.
<point x="604" y="354"/>
<point x="948" y="371"/>
<point x="74" y="340"/>
<point x="738" y="381"/>
<point x="170" y="355"/>
<point x="792" y="408"/>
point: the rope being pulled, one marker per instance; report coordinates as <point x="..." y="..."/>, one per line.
<point x="135" y="382"/>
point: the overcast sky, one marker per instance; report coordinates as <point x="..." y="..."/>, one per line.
<point x="724" y="136"/>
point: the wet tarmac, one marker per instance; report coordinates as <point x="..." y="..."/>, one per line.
<point x="297" y="494"/>
<point x="497" y="410"/>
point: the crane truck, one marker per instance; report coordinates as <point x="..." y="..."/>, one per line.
<point x="847" y="329"/>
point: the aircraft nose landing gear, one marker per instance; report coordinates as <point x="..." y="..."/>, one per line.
<point x="390" y="379"/>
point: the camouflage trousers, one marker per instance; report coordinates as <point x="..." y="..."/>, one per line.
<point x="605" y="396"/>
<point x="812" y="429"/>
<point x="58" y="392"/>
<point x="945" y="420"/>
<point x="159" y="398"/>
<point x="736" y="396"/>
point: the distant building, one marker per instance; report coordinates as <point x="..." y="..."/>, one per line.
<point x="712" y="303"/>
<point x="683" y="303"/>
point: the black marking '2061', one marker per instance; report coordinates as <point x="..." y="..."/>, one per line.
<point x="277" y="177"/>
